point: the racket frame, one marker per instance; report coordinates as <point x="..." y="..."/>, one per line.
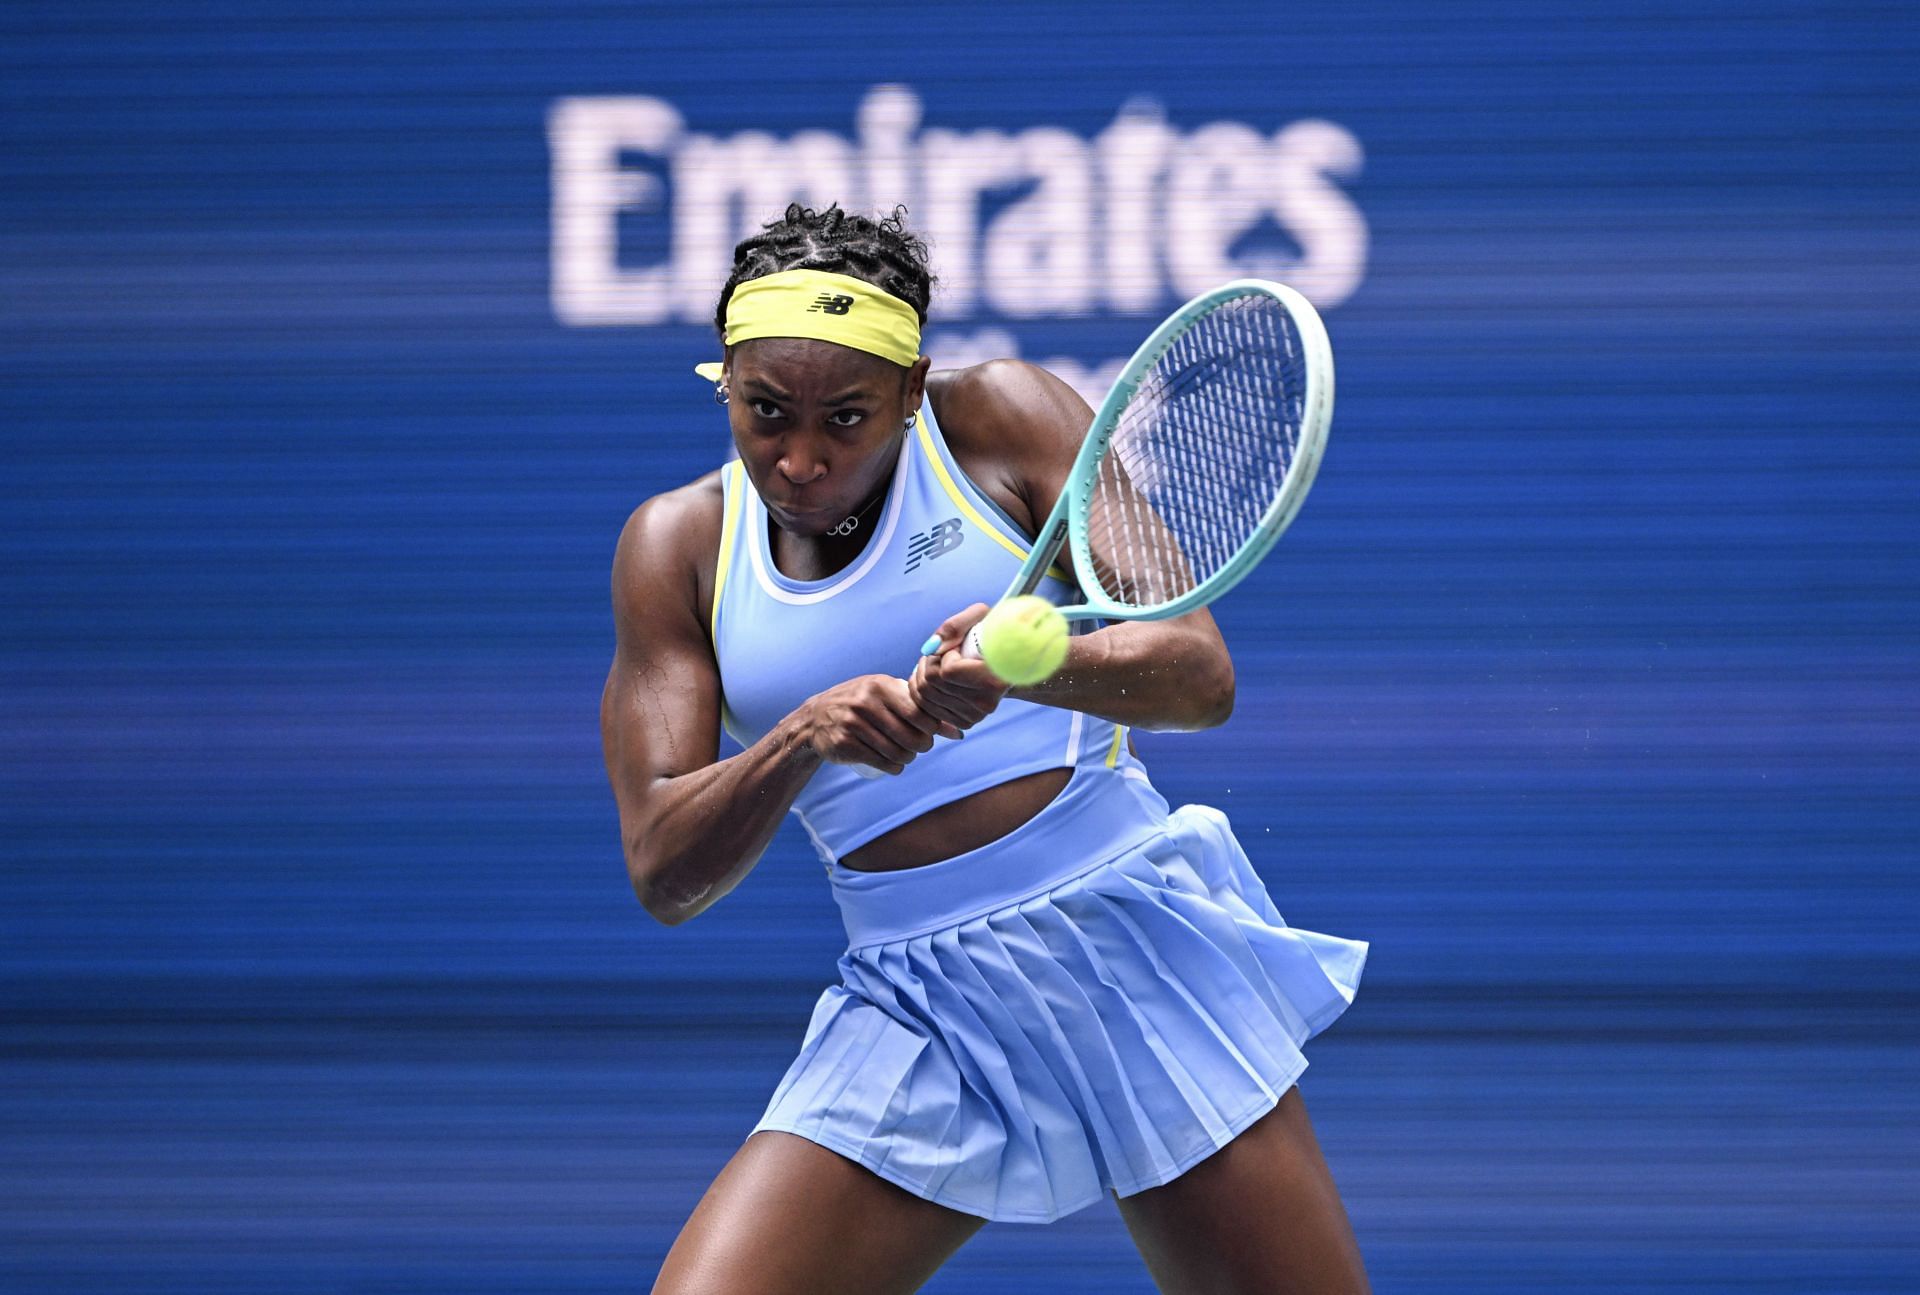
<point x="1067" y="523"/>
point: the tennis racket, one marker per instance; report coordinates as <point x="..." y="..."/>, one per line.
<point x="1195" y="463"/>
<point x="1198" y="459"/>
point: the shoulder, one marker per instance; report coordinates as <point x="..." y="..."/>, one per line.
<point x="1004" y="403"/>
<point x="675" y="523"/>
<point x="1014" y="427"/>
<point x="670" y="544"/>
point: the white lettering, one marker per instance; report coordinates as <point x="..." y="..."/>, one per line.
<point x="1216" y="191"/>
<point x="1133" y="158"/>
<point x="822" y="172"/>
<point x="716" y="182"/>
<point x="1039" y="258"/>
<point x="1121" y="221"/>
<point x="955" y="170"/>
<point x="1330" y="230"/>
<point x="888" y="117"/>
<point x="586" y="138"/>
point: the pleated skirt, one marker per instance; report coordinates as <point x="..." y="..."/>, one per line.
<point x="1093" y="1003"/>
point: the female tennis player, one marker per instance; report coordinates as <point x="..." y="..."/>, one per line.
<point x="1056" y="986"/>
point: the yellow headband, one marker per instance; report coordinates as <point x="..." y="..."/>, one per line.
<point x="826" y="307"/>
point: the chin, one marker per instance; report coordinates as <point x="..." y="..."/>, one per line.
<point x="809" y="524"/>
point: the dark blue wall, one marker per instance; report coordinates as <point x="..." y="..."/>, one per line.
<point x="1585" y="686"/>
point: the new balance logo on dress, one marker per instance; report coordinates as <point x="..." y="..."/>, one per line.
<point x="831" y="303"/>
<point x="941" y="537"/>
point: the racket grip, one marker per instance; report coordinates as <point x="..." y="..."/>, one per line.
<point x="969" y="646"/>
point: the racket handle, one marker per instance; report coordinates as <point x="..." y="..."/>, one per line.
<point x="969" y="646"/>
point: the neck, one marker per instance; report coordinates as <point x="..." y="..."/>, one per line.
<point x="860" y="517"/>
<point x="815" y="557"/>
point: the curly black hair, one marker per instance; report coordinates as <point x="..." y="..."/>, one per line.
<point x="881" y="251"/>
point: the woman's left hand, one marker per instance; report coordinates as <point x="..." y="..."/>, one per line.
<point x="952" y="687"/>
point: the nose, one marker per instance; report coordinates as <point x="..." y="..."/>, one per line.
<point x="800" y="467"/>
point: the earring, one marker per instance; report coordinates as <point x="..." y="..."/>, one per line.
<point x="910" y="418"/>
<point x="720" y="394"/>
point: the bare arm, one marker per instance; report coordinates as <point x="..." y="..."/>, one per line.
<point x="692" y="825"/>
<point x="1171" y="675"/>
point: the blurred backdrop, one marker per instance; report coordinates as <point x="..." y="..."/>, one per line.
<point x="338" y="343"/>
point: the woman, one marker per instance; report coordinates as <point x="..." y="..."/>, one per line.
<point x="1056" y="986"/>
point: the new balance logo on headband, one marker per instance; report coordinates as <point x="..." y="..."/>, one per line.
<point x="831" y="303"/>
<point x="941" y="537"/>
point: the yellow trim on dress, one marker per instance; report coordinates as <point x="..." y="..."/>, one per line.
<point x="729" y="523"/>
<point x="1113" y="752"/>
<point x="965" y="506"/>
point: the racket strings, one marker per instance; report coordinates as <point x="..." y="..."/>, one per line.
<point x="1199" y="454"/>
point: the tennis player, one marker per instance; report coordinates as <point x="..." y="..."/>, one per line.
<point x="1056" y="986"/>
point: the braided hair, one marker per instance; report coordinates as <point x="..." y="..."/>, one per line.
<point x="880" y="251"/>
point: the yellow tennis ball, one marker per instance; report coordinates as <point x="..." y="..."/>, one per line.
<point x="1024" y="639"/>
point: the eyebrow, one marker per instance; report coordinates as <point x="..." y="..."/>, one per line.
<point x="844" y="398"/>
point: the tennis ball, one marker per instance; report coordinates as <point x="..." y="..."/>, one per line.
<point x="1024" y="639"/>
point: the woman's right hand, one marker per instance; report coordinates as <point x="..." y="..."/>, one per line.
<point x="871" y="720"/>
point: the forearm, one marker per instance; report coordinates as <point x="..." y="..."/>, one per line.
<point x="709" y="827"/>
<point x="1153" y="675"/>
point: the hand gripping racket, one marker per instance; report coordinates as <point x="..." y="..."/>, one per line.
<point x="1197" y="460"/>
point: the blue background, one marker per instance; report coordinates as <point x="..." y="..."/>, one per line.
<point x="1585" y="686"/>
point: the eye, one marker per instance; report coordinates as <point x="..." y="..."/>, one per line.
<point x="763" y="408"/>
<point x="846" y="417"/>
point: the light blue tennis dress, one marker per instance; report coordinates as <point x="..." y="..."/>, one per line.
<point x="1094" y="1002"/>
